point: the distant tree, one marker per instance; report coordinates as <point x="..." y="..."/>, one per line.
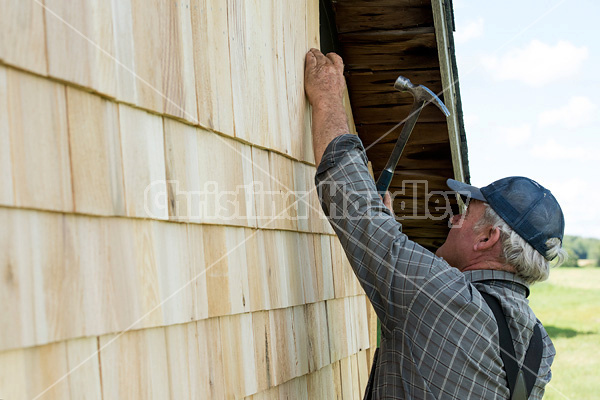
<point x="594" y="253"/>
<point x="580" y="248"/>
<point x="571" y="261"/>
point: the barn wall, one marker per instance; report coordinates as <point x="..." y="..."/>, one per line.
<point x="115" y="282"/>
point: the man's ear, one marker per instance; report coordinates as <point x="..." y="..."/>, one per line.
<point x="487" y="239"/>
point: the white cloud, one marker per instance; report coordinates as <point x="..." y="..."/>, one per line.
<point x="472" y="30"/>
<point x="515" y="135"/>
<point x="537" y="63"/>
<point x="578" y="112"/>
<point x="570" y="190"/>
<point x="554" y="151"/>
<point x="581" y="217"/>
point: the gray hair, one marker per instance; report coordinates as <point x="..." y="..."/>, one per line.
<point x="530" y="265"/>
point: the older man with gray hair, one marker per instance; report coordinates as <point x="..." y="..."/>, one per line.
<point x="455" y="324"/>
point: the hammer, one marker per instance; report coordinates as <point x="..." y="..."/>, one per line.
<point x="422" y="96"/>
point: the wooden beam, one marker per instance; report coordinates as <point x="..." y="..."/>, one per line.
<point x="384" y="35"/>
<point x="433" y="133"/>
<point x="443" y="47"/>
<point x="366" y="18"/>
<point x="413" y="52"/>
<point x="375" y="82"/>
<point x="382" y="3"/>
<point x="390" y="109"/>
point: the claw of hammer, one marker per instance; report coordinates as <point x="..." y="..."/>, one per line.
<point x="420" y="92"/>
<point x="422" y="96"/>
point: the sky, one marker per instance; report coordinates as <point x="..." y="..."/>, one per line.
<point x="529" y="75"/>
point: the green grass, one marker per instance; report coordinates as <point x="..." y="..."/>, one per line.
<point x="568" y="304"/>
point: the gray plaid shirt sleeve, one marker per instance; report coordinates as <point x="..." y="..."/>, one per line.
<point x="440" y="340"/>
<point x="390" y="267"/>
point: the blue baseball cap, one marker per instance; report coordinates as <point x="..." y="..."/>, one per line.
<point x="525" y="205"/>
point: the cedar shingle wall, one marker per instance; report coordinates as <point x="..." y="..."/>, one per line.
<point x="106" y="104"/>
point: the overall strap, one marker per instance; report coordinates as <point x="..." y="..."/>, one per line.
<point x="520" y="381"/>
<point x="533" y="358"/>
<point x="507" y="350"/>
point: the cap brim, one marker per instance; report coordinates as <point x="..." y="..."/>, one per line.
<point x="466" y="190"/>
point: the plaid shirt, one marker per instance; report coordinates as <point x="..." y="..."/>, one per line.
<point x="439" y="337"/>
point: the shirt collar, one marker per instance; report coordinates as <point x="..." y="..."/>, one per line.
<point x="505" y="278"/>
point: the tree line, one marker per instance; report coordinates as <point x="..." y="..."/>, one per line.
<point x="580" y="248"/>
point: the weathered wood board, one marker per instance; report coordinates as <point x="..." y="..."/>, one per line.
<point x="138" y="259"/>
<point x="164" y="57"/>
<point x="225" y="172"/>
<point x="95" y="148"/>
<point x="39" y="142"/>
<point x="142" y="145"/>
<point x="147" y="351"/>
<point x="7" y="196"/>
<point x="22" y="35"/>
<point x="81" y="44"/>
<point x="213" y="75"/>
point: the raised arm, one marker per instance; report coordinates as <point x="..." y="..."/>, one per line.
<point x="391" y="268"/>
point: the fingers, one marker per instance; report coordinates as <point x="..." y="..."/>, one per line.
<point x="311" y="60"/>
<point x="330" y="58"/>
<point x="317" y="55"/>
<point x="387" y="201"/>
<point x="336" y="60"/>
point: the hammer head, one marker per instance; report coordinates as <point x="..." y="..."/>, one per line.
<point x="420" y="93"/>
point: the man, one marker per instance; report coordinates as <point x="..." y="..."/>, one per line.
<point x="439" y="336"/>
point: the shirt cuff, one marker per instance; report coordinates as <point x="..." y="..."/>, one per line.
<point x="338" y="148"/>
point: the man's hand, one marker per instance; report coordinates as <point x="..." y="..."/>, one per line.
<point x="324" y="81"/>
<point x="387" y="201"/>
<point x="325" y="86"/>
